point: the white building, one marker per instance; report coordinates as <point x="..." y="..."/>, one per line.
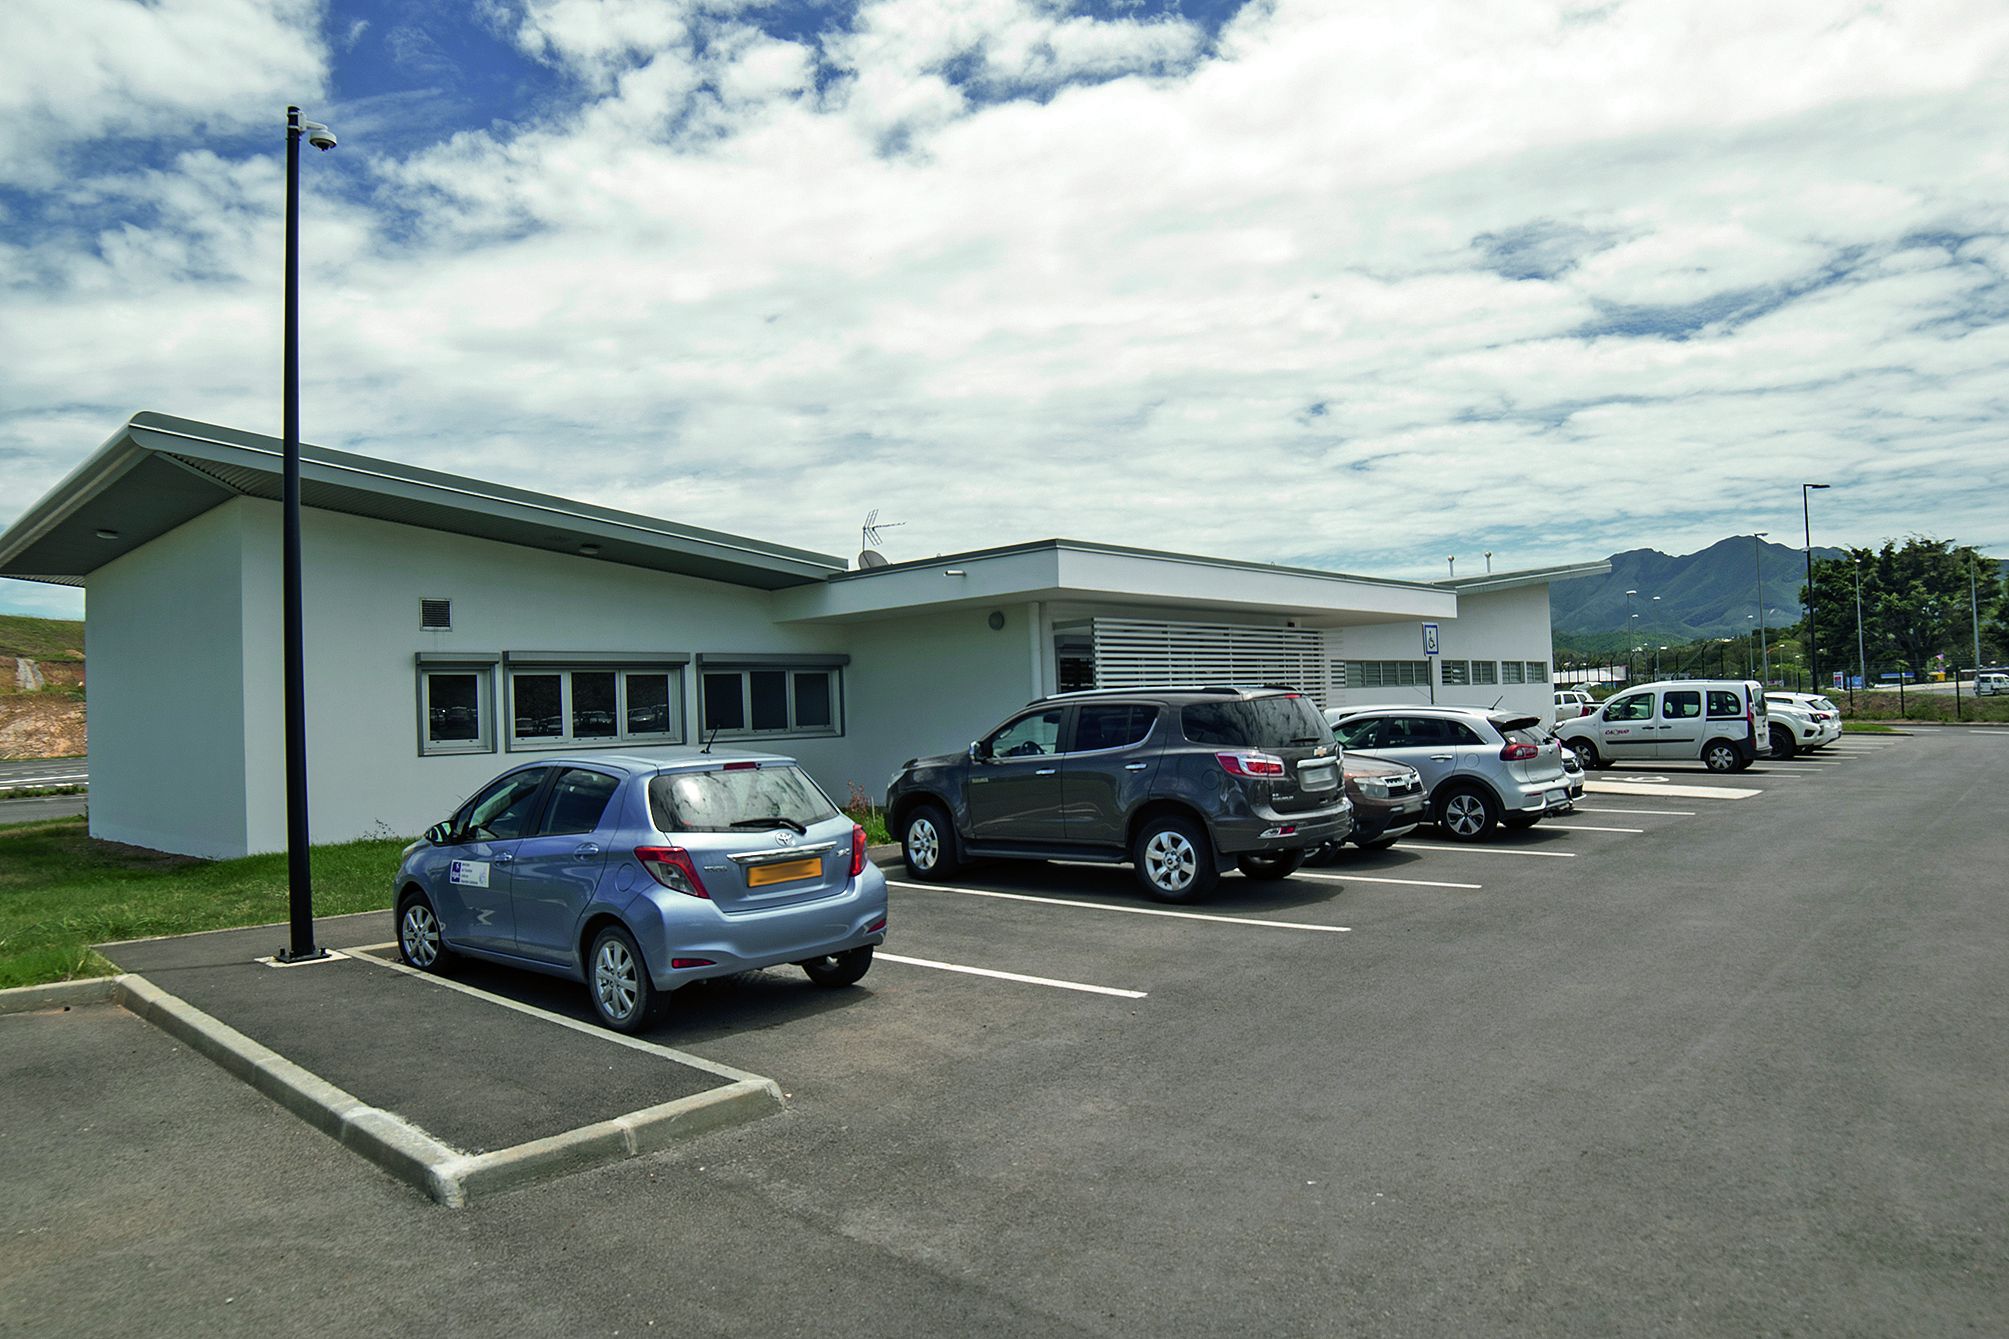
<point x="452" y="623"/>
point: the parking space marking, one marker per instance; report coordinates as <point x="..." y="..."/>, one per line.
<point x="1133" y="911"/>
<point x="1664" y="813"/>
<point x="1378" y="878"/>
<point x="1673" y="792"/>
<point x="1008" y="976"/>
<point x="1585" y="827"/>
<point x="1491" y="850"/>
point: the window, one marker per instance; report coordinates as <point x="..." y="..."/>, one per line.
<point x="1636" y="707"/>
<point x="1034" y="736"/>
<point x="1724" y="706"/>
<point x="1685" y="705"/>
<point x="1512" y="671"/>
<point x="1364" y="734"/>
<point x="454" y="709"/>
<point x="1456" y="673"/>
<point x="1103" y="726"/>
<point x="554" y="707"/>
<point x="1259" y="723"/>
<point x="1538" y="671"/>
<point x="578" y="798"/>
<point x="770" y="701"/>
<point x="502" y="812"/>
<point x="1485" y="671"/>
<point x="1387" y="673"/>
<point x="737" y="800"/>
<point x="1420" y="732"/>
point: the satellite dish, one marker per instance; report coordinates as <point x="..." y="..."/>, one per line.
<point x="871" y="558"/>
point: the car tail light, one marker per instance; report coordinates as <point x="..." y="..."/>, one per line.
<point x="741" y="767"/>
<point x="672" y="867"/>
<point x="692" y="962"/>
<point x="1820" y="715"/>
<point x="1519" y="752"/>
<point x="876" y="926"/>
<point x="857" y="850"/>
<point x="1250" y="764"/>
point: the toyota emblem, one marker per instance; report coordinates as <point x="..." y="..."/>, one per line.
<point x="785" y="837"/>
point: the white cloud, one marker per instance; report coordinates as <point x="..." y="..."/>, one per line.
<point x="1361" y="284"/>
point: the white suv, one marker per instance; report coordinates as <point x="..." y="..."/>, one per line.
<point x="1572" y="703"/>
<point x="1802" y="721"/>
<point x="1722" y="722"/>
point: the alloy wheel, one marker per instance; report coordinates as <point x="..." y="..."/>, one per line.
<point x="614" y="980"/>
<point x="924" y="844"/>
<point x="1170" y="861"/>
<point x="420" y="932"/>
<point x="1465" y="814"/>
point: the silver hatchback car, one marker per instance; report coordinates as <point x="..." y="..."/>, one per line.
<point x="1481" y="768"/>
<point x="639" y="875"/>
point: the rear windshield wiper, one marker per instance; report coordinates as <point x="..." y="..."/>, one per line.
<point x="775" y="822"/>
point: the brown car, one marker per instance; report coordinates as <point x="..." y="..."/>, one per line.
<point x="1388" y="803"/>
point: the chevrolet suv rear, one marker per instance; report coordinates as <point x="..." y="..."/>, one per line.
<point x="1184" y="784"/>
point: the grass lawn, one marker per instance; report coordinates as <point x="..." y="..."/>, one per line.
<point x="1866" y="728"/>
<point x="61" y="892"/>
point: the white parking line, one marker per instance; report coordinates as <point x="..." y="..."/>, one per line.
<point x="1132" y="911"/>
<point x="1674" y="792"/>
<point x="23" y="782"/>
<point x="1664" y="813"/>
<point x="1008" y="976"/>
<point x="1585" y="827"/>
<point x="1490" y="850"/>
<point x="1377" y="878"/>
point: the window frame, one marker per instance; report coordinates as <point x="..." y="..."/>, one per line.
<point x="1388" y="674"/>
<point x="481" y="668"/>
<point x="1455" y="673"/>
<point x="520" y="664"/>
<point x="1486" y="672"/>
<point x="795" y="667"/>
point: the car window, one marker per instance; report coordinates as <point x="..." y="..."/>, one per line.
<point x="1684" y="705"/>
<point x="502" y="812"/>
<point x="1724" y="706"/>
<point x="716" y="801"/>
<point x="1286" y="720"/>
<point x="578" y="798"/>
<point x="1111" y="726"/>
<point x="1418" y="732"/>
<point x="1034" y="736"/>
<point x="1462" y="733"/>
<point x="1636" y="707"/>
<point x="1536" y="737"/>
<point x="1358" y="734"/>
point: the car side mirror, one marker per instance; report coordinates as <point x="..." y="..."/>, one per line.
<point x="980" y="750"/>
<point x="438" y="833"/>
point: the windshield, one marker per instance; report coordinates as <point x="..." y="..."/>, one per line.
<point x="737" y="800"/>
<point x="1284" y="721"/>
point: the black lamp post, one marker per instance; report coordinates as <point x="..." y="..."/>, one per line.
<point x="299" y="873"/>
<point x="1806" y="520"/>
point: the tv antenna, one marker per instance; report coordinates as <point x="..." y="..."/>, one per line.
<point x="869" y="533"/>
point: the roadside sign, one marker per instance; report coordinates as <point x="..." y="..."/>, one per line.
<point x="1429" y="639"/>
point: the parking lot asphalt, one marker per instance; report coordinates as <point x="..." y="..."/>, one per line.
<point x="1697" y="1065"/>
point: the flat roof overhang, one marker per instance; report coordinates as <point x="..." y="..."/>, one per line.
<point x="1077" y="571"/>
<point x="158" y="472"/>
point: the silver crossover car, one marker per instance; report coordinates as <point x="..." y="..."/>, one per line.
<point x="1482" y="768"/>
<point x="638" y="875"/>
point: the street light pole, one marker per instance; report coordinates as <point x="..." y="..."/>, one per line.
<point x="299" y="872"/>
<point x="1758" y="571"/>
<point x="1974" y="606"/>
<point x="1862" y="657"/>
<point x="1631" y="635"/>
<point x="1806" y="520"/>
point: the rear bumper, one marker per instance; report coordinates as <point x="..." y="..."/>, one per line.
<point x="1261" y="832"/>
<point x="1544" y="797"/>
<point x="671" y="925"/>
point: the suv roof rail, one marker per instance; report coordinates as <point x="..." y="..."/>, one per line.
<point x="1142" y="690"/>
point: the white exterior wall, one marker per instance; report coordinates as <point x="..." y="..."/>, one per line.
<point x="165" y="645"/>
<point x="1503" y="625"/>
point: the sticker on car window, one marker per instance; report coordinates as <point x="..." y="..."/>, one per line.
<point x="472" y="873"/>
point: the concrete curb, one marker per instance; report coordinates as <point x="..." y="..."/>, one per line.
<point x="57" y="994"/>
<point x="887" y="854"/>
<point x="449" y="1176"/>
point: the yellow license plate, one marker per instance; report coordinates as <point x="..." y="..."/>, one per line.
<point x="784" y="871"/>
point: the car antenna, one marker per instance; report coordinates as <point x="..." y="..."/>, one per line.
<point x="1496" y="702"/>
<point x="713" y="736"/>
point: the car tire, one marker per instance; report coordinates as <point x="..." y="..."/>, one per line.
<point x="835" y="970"/>
<point x="1521" y="820"/>
<point x="1467" y="814"/>
<point x="1586" y="753"/>
<point x="617" y="980"/>
<point x="1269" y="868"/>
<point x="928" y="845"/>
<point x="421" y="942"/>
<point x="1720" y="755"/>
<point x="1377" y="843"/>
<point x="1174" y="860"/>
<point x="1783" y="746"/>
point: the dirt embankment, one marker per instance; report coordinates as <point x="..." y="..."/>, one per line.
<point x="46" y="721"/>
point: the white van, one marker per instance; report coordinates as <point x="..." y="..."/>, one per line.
<point x="1721" y="722"/>
<point x="1990" y="685"/>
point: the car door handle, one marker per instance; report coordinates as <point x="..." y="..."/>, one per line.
<point x="505" y="857"/>
<point x="1442" y="757"/>
<point x="1046" y="771"/>
<point x="1135" y="766"/>
<point x="589" y="849"/>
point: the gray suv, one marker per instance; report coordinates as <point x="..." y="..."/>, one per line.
<point x="1184" y="784"/>
<point x="1482" y="768"/>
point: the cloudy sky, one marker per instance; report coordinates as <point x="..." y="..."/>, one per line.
<point x="1345" y="284"/>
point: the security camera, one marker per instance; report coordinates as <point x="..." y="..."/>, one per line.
<point x="319" y="135"/>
